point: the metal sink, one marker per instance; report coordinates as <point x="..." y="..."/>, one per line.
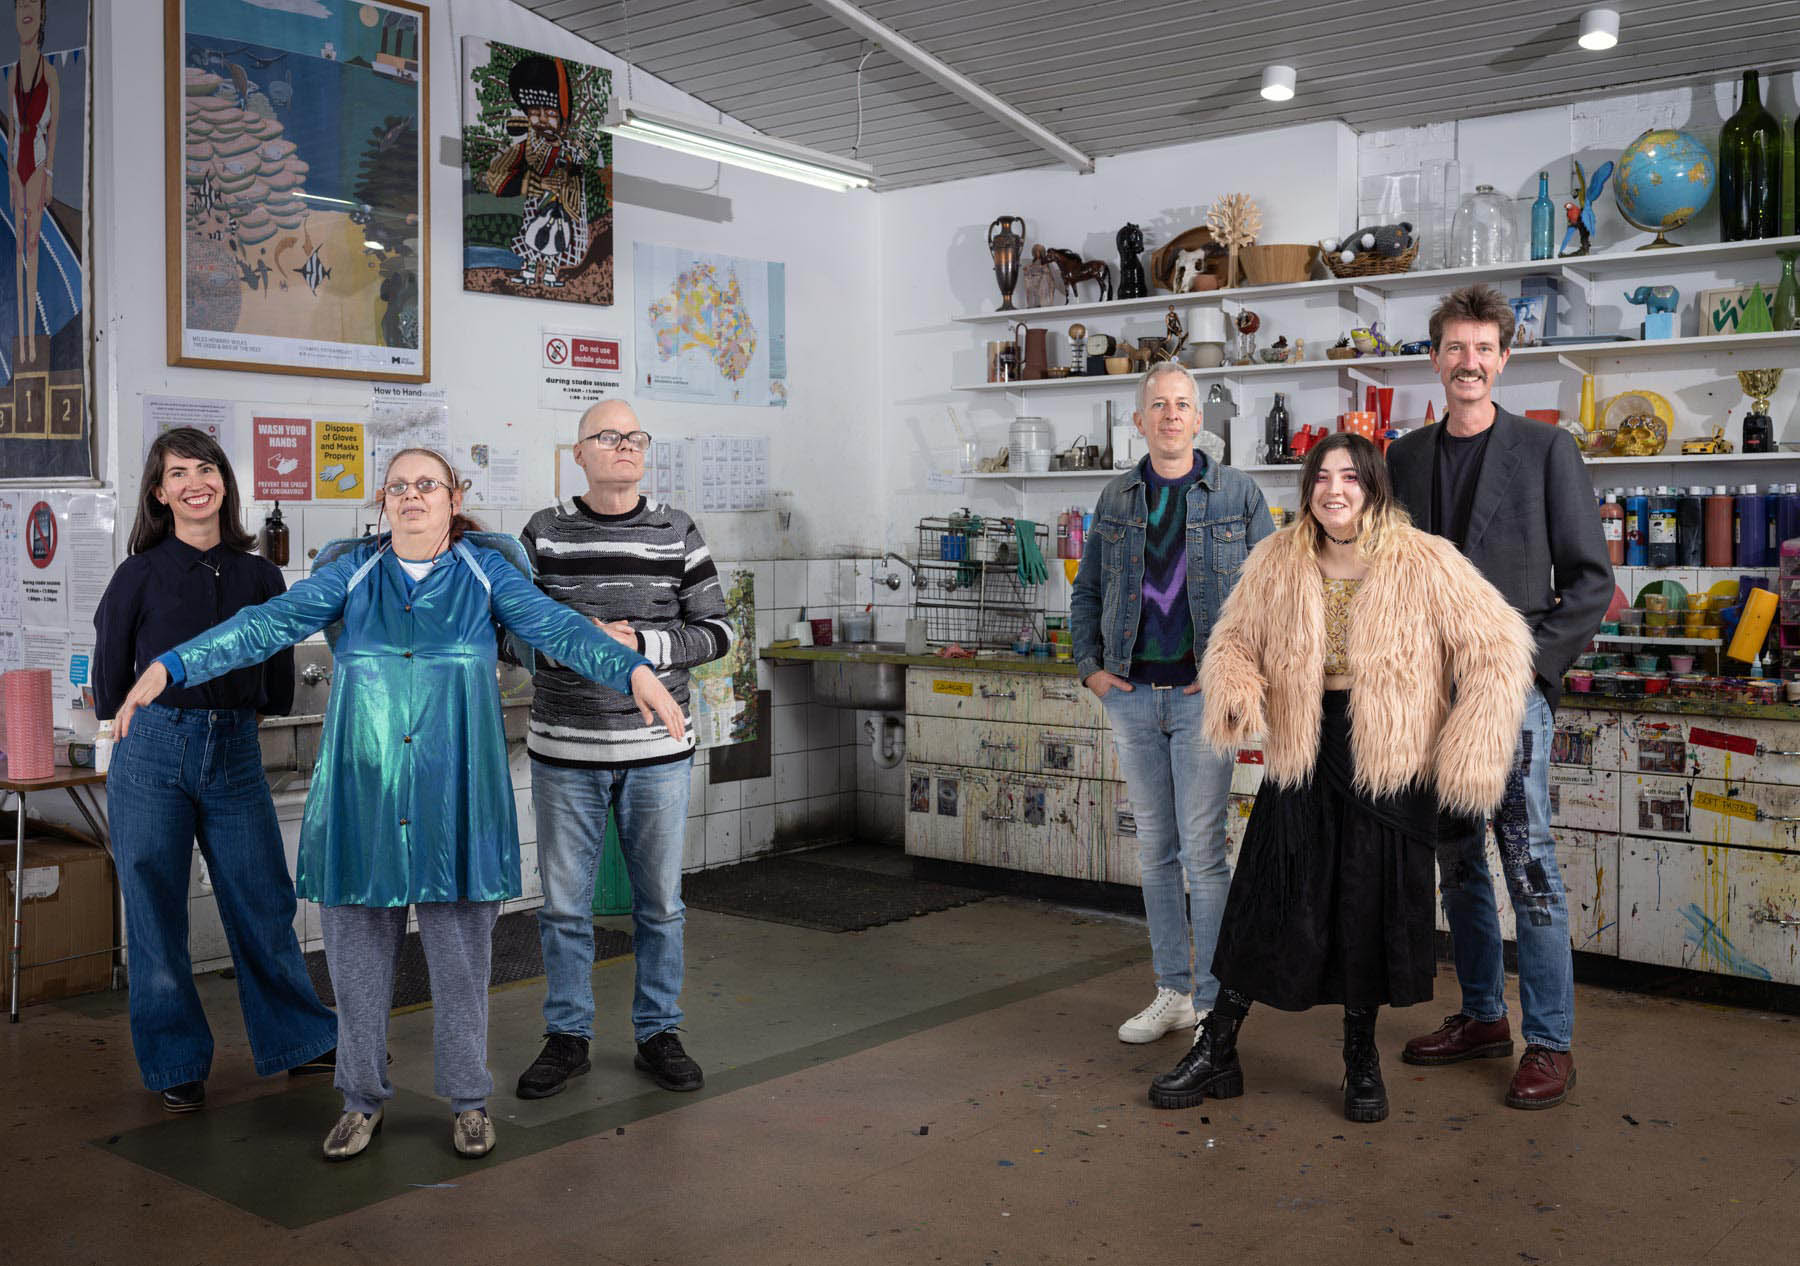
<point x="866" y="684"/>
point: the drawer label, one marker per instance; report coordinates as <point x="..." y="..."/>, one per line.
<point x="1738" y="743"/>
<point x="966" y="689"/>
<point x="1725" y="805"/>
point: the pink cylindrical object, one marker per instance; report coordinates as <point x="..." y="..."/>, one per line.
<point x="30" y="751"/>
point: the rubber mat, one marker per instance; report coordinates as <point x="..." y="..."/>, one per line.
<point x="517" y="956"/>
<point x="814" y="895"/>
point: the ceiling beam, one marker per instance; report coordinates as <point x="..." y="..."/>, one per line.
<point x="923" y="62"/>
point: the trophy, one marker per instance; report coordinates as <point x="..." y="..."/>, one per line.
<point x="1759" y="427"/>
<point x="1005" y="246"/>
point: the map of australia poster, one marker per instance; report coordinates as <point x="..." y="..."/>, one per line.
<point x="297" y="187"/>
<point x="710" y="329"/>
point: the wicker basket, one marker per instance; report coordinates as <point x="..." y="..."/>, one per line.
<point x="1369" y="264"/>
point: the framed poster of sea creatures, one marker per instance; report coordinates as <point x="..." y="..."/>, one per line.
<point x="297" y="186"/>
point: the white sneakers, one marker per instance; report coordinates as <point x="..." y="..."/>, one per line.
<point x="1167" y="1012"/>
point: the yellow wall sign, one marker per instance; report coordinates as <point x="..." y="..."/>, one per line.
<point x="939" y="686"/>
<point x="338" y="462"/>
<point x="1726" y="805"/>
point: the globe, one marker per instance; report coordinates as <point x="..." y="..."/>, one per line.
<point x="1665" y="178"/>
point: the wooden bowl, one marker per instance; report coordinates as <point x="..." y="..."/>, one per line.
<point x="1118" y="364"/>
<point x="1274" y="265"/>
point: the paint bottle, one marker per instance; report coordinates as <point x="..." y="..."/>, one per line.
<point x="1637" y="527"/>
<point x="1662" y="537"/>
<point x="1077" y="537"/>
<point x="1787" y="516"/>
<point x="1752" y="528"/>
<point x="1612" y="527"/>
<point x="1062" y="535"/>
<point x="1690" y="528"/>
<point x="1721" y="544"/>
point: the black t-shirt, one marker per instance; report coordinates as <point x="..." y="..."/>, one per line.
<point x="1457" y="467"/>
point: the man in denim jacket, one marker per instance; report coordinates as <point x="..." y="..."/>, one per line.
<point x="1169" y="536"/>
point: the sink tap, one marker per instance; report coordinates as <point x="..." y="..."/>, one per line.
<point x="891" y="580"/>
<point x="313" y="674"/>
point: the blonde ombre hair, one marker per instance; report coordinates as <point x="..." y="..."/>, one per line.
<point x="1381" y="514"/>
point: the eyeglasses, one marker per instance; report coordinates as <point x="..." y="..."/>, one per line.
<point x="426" y="486"/>
<point x="639" y="440"/>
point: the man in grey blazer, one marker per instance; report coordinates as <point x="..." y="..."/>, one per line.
<point x="1513" y="495"/>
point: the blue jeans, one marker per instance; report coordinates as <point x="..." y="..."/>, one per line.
<point x="186" y="774"/>
<point x="651" y="804"/>
<point x="1179" y="788"/>
<point x="1534" y="884"/>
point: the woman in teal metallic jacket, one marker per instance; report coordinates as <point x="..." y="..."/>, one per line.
<point x="412" y="800"/>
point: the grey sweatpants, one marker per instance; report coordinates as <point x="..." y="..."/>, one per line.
<point x="362" y="948"/>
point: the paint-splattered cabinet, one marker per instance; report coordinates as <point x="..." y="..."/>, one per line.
<point x="1019" y="770"/>
<point x="1704" y="815"/>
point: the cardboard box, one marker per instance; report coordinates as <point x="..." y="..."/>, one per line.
<point x="70" y="898"/>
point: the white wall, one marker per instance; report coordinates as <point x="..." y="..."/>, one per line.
<point x="484" y="347"/>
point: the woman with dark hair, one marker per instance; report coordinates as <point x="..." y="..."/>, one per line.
<point x="412" y="803"/>
<point x="192" y="771"/>
<point x="1385" y="676"/>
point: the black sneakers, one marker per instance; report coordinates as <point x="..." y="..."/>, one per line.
<point x="189" y="1096"/>
<point x="564" y="1056"/>
<point x="322" y="1063"/>
<point x="669" y="1066"/>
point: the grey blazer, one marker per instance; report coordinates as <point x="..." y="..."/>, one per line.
<point x="1534" y="531"/>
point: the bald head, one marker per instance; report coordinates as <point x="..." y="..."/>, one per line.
<point x="615" y="415"/>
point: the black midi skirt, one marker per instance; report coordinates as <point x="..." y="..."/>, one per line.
<point x="1333" y="897"/>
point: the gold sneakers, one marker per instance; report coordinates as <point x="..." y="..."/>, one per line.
<point x="472" y="1133"/>
<point x="351" y="1135"/>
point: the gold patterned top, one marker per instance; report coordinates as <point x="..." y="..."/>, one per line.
<point x="1339" y="594"/>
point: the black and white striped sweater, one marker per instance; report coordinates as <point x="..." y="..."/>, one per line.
<point x="648" y="567"/>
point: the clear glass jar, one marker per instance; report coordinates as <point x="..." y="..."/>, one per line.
<point x="1486" y="230"/>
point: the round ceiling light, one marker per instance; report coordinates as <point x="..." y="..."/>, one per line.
<point x="1599" y="29"/>
<point x="1278" y="83"/>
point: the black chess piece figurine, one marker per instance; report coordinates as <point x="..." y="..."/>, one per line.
<point x="1133" y="284"/>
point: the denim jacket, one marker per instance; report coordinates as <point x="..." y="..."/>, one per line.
<point x="1226" y="515"/>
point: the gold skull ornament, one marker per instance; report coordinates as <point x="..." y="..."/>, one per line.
<point x="1641" y="435"/>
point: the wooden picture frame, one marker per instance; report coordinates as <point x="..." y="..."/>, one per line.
<point x="298" y="188"/>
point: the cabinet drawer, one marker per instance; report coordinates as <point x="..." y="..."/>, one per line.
<point x="1712" y="747"/>
<point x="1590" y="872"/>
<point x="1712" y="811"/>
<point x="1004" y="745"/>
<point x="1050" y="826"/>
<point x="1710" y="908"/>
<point x="990" y="696"/>
<point x="1583" y="798"/>
<point x="1588" y="739"/>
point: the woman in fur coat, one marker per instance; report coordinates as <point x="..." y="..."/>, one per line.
<point x="1385" y="676"/>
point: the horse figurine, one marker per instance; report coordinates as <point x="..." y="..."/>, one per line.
<point x="1075" y="269"/>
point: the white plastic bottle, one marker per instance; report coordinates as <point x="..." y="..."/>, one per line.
<point x="103" y="745"/>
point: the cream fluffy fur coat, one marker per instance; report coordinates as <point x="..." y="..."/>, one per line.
<point x="1423" y="621"/>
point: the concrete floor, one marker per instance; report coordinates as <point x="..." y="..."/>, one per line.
<point x="946" y="1089"/>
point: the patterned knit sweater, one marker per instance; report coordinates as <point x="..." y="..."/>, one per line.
<point x="1164" y="653"/>
<point x="649" y="567"/>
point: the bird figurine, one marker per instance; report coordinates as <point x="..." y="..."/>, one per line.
<point x="1580" y="212"/>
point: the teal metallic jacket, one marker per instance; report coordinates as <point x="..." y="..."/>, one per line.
<point x="411" y="799"/>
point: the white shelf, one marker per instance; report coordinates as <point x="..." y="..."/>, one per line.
<point x="1042" y="474"/>
<point x="1786" y="341"/>
<point x="1658" y="641"/>
<point x="1690" y="459"/>
<point x="1621" y="263"/>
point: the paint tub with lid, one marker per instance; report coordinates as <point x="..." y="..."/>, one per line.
<point x="1609" y="628"/>
<point x="1656" y="683"/>
<point x="1580" y="681"/>
<point x="1687" y="686"/>
<point x="1606" y="682"/>
<point x="1654" y="601"/>
<point x="1765" y="690"/>
<point x="1646" y="661"/>
<point x="1681" y="664"/>
<point x="1628" y="685"/>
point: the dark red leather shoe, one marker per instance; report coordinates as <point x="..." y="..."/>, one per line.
<point x="1544" y="1079"/>
<point x="1459" y="1038"/>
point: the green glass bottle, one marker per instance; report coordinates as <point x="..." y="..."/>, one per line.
<point x="1784" y="310"/>
<point x="1750" y="169"/>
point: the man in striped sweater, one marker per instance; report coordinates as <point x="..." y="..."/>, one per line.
<point x="642" y="573"/>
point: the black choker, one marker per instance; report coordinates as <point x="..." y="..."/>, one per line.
<point x="1334" y="540"/>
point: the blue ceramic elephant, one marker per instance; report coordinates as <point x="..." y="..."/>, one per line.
<point x="1655" y="298"/>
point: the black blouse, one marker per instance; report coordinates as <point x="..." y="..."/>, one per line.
<point x="159" y="599"/>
